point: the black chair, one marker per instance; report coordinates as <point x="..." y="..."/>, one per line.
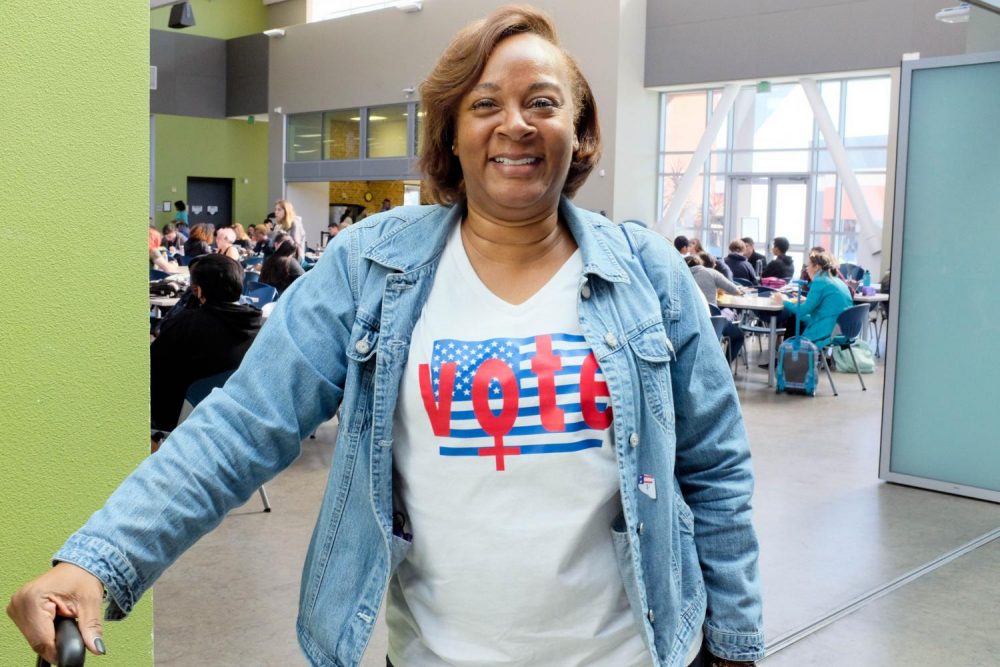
<point x="852" y="271"/>
<point x="851" y="323"/>
<point x="196" y="393"/>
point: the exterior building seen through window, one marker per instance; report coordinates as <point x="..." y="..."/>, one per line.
<point x="769" y="172"/>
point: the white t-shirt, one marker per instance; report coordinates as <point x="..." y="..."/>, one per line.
<point x="511" y="505"/>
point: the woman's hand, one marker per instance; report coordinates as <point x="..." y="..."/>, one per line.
<point x="65" y="590"/>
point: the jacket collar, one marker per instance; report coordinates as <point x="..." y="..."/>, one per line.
<point x="415" y="241"/>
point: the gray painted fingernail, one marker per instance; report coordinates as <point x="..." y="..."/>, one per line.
<point x="99" y="643"/>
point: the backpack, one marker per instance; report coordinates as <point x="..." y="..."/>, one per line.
<point x="797" y="360"/>
<point x="773" y="283"/>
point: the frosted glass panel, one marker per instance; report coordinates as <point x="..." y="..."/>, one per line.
<point x="946" y="382"/>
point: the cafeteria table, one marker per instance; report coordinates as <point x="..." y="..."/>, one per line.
<point x="759" y="303"/>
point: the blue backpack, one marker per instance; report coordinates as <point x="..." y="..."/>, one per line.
<point x="797" y="360"/>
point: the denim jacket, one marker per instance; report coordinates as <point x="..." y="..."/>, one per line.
<point x="339" y="337"/>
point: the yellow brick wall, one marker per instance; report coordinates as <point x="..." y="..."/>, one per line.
<point x="353" y="192"/>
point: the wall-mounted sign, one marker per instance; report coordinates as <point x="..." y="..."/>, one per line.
<point x="166" y="206"/>
<point x="196" y="209"/>
<point x="212" y="210"/>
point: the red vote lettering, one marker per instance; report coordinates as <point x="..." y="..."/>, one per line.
<point x="590" y="390"/>
<point x="438" y="411"/>
<point x="497" y="425"/>
<point x="545" y="364"/>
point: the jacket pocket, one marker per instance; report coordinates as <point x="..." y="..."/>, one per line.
<point x="653" y="356"/>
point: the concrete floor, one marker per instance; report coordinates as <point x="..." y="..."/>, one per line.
<point x="830" y="533"/>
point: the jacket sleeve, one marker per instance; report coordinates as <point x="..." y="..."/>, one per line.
<point x="725" y="285"/>
<point x="291" y="380"/>
<point x="712" y="461"/>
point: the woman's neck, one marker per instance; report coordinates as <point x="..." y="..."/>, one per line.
<point x="515" y="243"/>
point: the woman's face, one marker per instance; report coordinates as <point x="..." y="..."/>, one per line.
<point x="812" y="270"/>
<point x="279" y="211"/>
<point x="515" y="131"/>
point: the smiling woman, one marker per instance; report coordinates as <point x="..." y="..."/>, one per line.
<point x="516" y="374"/>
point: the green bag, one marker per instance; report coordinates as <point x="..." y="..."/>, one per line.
<point x="862" y="353"/>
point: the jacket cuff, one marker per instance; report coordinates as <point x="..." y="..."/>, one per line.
<point x="743" y="646"/>
<point x="107" y="563"/>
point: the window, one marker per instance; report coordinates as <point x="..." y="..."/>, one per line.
<point x="343" y="134"/>
<point x="770" y="137"/>
<point x="387" y="130"/>
<point x="304" y="134"/>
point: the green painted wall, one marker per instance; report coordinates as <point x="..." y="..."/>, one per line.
<point x="74" y="139"/>
<point x="212" y="148"/>
<point x="222" y="19"/>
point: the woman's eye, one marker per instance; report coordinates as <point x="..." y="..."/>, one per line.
<point x="482" y="104"/>
<point x="542" y="103"/>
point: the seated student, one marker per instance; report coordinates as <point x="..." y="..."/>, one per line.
<point x="804" y="275"/>
<point x="202" y="341"/>
<point x="782" y="266"/>
<point x="709" y="282"/>
<point x="738" y="264"/>
<point x="225" y="243"/>
<point x="282" y="268"/>
<point x="172" y="240"/>
<point x="683" y="245"/>
<point x="158" y="255"/>
<point x="331" y="230"/>
<point x="752" y="255"/>
<point x="261" y="236"/>
<point x="710" y="262"/>
<point x="828" y="298"/>
<point x="200" y="241"/>
<point x="242" y="237"/>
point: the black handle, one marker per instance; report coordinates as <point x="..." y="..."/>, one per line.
<point x="70" y="649"/>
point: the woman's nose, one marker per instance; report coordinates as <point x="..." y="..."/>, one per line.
<point x="515" y="125"/>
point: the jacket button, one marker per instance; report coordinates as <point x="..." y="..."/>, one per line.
<point x="639" y="528"/>
<point x="651" y="616"/>
<point x="362" y="346"/>
<point x="634" y="440"/>
<point x="611" y="339"/>
<point x="585" y="291"/>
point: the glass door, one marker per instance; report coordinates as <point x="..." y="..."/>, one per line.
<point x="789" y="216"/>
<point x="765" y="206"/>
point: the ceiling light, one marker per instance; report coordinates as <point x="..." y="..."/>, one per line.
<point x="376" y="117"/>
<point x="959" y="14"/>
<point x="410" y="6"/>
<point x="309" y="136"/>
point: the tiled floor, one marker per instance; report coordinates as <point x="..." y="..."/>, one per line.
<point x="830" y="532"/>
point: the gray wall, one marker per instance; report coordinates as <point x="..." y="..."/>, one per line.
<point x="701" y="41"/>
<point x="284" y="14"/>
<point x="984" y="31"/>
<point x="369" y="58"/>
<point x="191" y="74"/>
<point x="208" y="77"/>
<point x="246" y="75"/>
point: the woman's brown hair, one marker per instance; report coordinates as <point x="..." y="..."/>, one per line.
<point x="202" y="232"/>
<point x="457" y="71"/>
<point x="825" y="262"/>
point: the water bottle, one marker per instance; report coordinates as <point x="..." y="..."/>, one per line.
<point x="867" y="280"/>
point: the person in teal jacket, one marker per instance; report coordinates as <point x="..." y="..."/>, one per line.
<point x="828" y="298"/>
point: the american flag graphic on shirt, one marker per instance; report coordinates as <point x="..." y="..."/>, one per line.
<point x="505" y="397"/>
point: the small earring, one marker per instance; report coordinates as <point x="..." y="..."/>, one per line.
<point x="576" y="144"/>
<point x="454" y="148"/>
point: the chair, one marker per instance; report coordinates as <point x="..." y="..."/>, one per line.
<point x="258" y="294"/>
<point x="156" y="274"/>
<point x="742" y="282"/>
<point x="199" y="391"/>
<point x="852" y="271"/>
<point x="714" y="310"/>
<point x="851" y="323"/>
<point x="253" y="260"/>
<point x="719" y="323"/>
